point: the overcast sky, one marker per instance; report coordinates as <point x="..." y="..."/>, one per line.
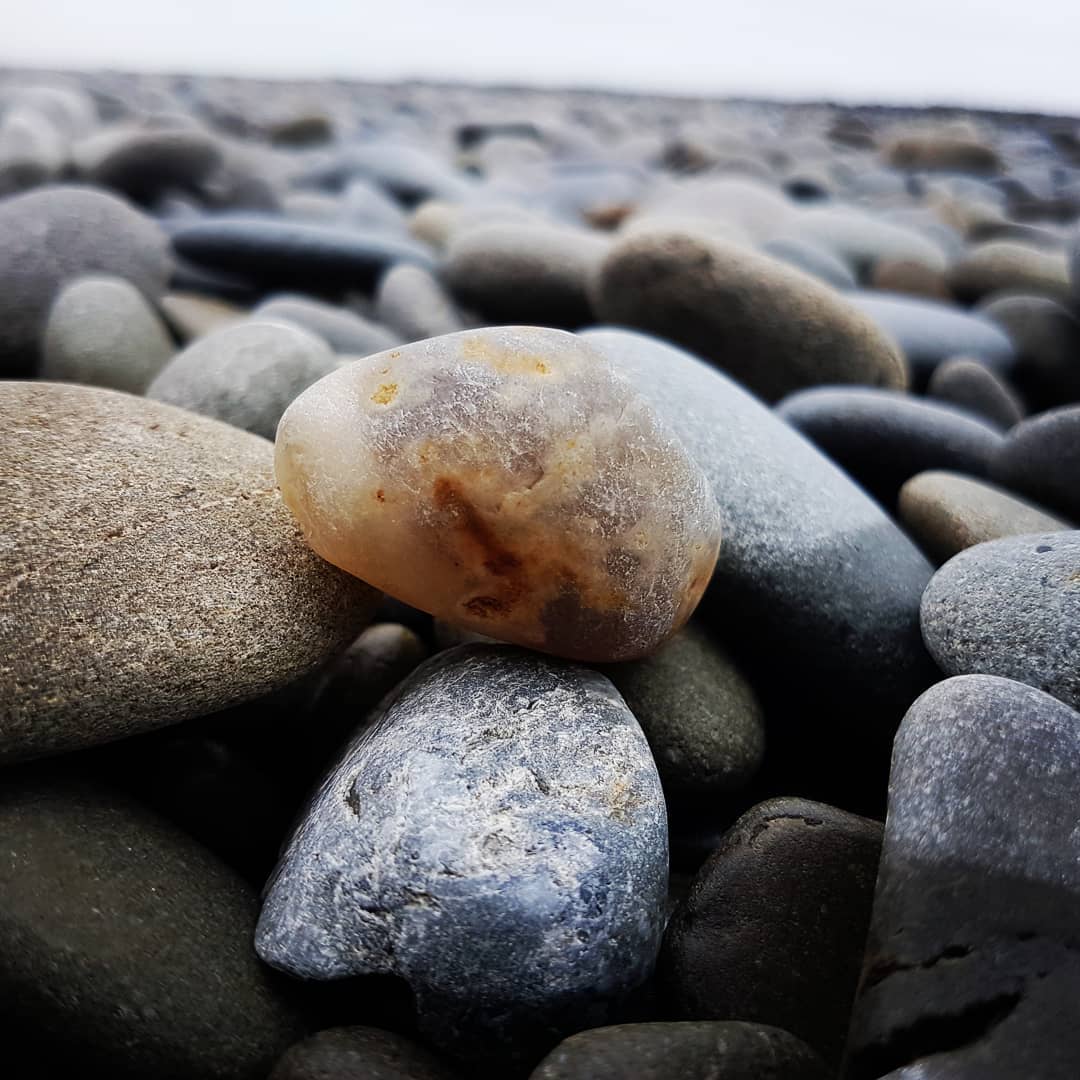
<point x="982" y="52"/>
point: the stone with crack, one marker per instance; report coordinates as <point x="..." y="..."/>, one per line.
<point x="972" y="966"/>
<point x="497" y="838"/>
<point x="509" y="481"/>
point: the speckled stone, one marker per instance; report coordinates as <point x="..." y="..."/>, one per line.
<point x="150" y="571"/>
<point x="359" y="1053"/>
<point x="881" y="438"/>
<point x="970" y="385"/>
<point x="1010" y="607"/>
<point x="124" y="945"/>
<point x="343" y="330"/>
<point x="245" y="374"/>
<point x="820" y="576"/>
<point x="929" y="332"/>
<point x="948" y="512"/>
<point x="507" y="480"/>
<point x="498" y="839"/>
<point x="702" y="718"/>
<point x="102" y="332"/>
<point x="1040" y="458"/>
<point x="767" y="324"/>
<point x="516" y="273"/>
<point x="971" y="966"/>
<point x="682" y="1051"/>
<point x="413" y="302"/>
<point x="51" y="236"/>
<point x="774" y="925"/>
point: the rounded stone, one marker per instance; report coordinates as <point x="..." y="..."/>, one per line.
<point x="702" y="718"/>
<point x="682" y="1051"/>
<point x="929" y="332"/>
<point x="245" y="374"/>
<point x="1004" y="265"/>
<point x="497" y="838"/>
<point x="413" y="302"/>
<point x="51" y="236"/>
<point x="125" y="946"/>
<point x="811" y="259"/>
<point x="32" y="151"/>
<point x="773" y="927"/>
<point x="343" y="330"/>
<point x="941" y="151"/>
<point x="1040" y="458"/>
<point x="948" y="512"/>
<point x="150" y="570"/>
<point x="509" y="481"/>
<point x="1010" y="607"/>
<point x="881" y="438"/>
<point x="102" y="332"/>
<point x="970" y="385"/>
<point x="359" y="1053"/>
<point x="769" y="325"/>
<point x="971" y="966"/>
<point x="535" y="274"/>
<point x="192" y="315"/>
<point x="910" y="278"/>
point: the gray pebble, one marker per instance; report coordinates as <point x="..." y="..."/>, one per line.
<point x="972" y="386"/>
<point x="359" y="1053"/>
<point x="497" y="838"/>
<point x="413" y="302"/>
<point x="1040" y="458"/>
<point x="343" y="330"/>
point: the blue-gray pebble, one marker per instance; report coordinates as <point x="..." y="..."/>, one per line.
<point x="497" y="838"/>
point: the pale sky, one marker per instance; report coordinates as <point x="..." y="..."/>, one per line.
<point x="999" y="53"/>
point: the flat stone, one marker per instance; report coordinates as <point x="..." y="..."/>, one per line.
<point x="676" y="1051"/>
<point x="509" y="481"/>
<point x="1046" y="338"/>
<point x="943" y="151"/>
<point x="102" y="332"/>
<point x="812" y="259"/>
<point x="881" y="438"/>
<point x="412" y="302"/>
<point x="530" y="274"/>
<point x="774" y="926"/>
<point x="149" y="569"/>
<point x="1010" y="607"/>
<point x="770" y="326"/>
<point x="124" y="945"/>
<point x="359" y="1053"/>
<point x="972" y="386"/>
<point x="704" y="723"/>
<point x="1005" y="265"/>
<point x="928" y="332"/>
<point x="192" y="315"/>
<point x="300" y="254"/>
<point x="245" y="374"/>
<point x="971" y="968"/>
<point x="51" y="236"/>
<point x="497" y="838"/>
<point x="820" y="576"/>
<point x="1040" y="458"/>
<point x="948" y="512"/>
<point x="343" y="330"/>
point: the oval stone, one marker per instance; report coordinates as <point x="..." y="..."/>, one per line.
<point x="497" y="837"/>
<point x="509" y="481"/>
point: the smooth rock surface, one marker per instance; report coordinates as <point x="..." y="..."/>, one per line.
<point x="124" y="945"/>
<point x="820" y="576"/>
<point x="51" y="236"/>
<point x="774" y="926"/>
<point x="102" y="332"/>
<point x="1005" y="265"/>
<point x="359" y="1053"/>
<point x="246" y="374"/>
<point x="948" y="512"/>
<point x="970" y="385"/>
<point x="192" y="315"/>
<point x="971" y="968"/>
<point x="1040" y="458"/>
<point x="1033" y="637"/>
<point x="343" y="330"/>
<point x="507" y="480"/>
<point x="704" y="723"/>
<point x="497" y="838"/>
<point x="682" y="1051"/>
<point x="412" y="302"/>
<point x="767" y="324"/>
<point x="149" y="569"/>
<point x="881" y="438"/>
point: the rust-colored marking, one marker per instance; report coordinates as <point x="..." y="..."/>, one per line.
<point x="385" y="394"/>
